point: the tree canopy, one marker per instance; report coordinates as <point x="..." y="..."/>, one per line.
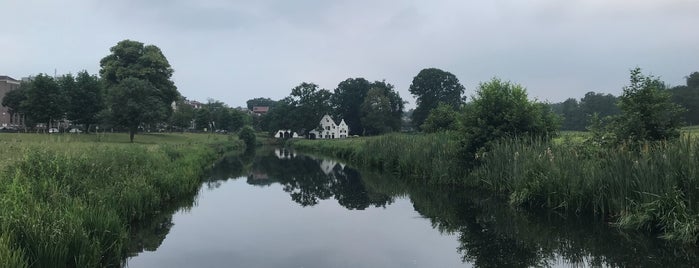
<point x="647" y="112"/>
<point x="502" y="109"/>
<point x="146" y="68"/>
<point x="85" y="99"/>
<point x="433" y="86"/>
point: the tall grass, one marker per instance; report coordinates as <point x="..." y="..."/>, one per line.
<point x="652" y="186"/>
<point x="70" y="203"/>
<point x="420" y="156"/>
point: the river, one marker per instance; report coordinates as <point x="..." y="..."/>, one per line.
<point x="277" y="208"/>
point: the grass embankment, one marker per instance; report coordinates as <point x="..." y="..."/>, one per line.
<point x="68" y="200"/>
<point x="653" y="187"/>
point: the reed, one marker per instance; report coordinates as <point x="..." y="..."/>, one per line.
<point x="649" y="186"/>
<point x="70" y="203"/>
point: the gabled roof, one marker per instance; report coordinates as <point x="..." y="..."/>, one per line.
<point x="5" y="77"/>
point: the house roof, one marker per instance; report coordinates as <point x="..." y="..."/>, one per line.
<point x="5" y="77"/>
<point x="260" y="109"/>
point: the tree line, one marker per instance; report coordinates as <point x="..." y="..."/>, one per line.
<point x="133" y="92"/>
<point x="577" y="114"/>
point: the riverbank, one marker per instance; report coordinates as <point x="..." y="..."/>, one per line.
<point x="652" y="188"/>
<point x="69" y="200"/>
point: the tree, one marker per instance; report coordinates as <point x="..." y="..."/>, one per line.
<point x="182" y="116"/>
<point x="310" y="104"/>
<point x="13" y="100"/>
<point x="376" y="112"/>
<point x="131" y="60"/>
<point x="347" y="101"/>
<point x="45" y="100"/>
<point x="646" y="111"/>
<point x="687" y="96"/>
<point x="395" y="103"/>
<point x="501" y="109"/>
<point x="85" y="99"/>
<point x="247" y="135"/>
<point x="433" y="86"/>
<point x="134" y="102"/>
<point x="442" y="118"/>
<point x="602" y="104"/>
<point x="573" y="116"/>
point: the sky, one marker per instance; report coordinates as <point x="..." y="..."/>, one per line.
<point x="233" y="51"/>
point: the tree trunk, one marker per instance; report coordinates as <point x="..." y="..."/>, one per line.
<point x="132" y="132"/>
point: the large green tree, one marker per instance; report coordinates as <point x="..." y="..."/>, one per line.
<point x="687" y="96"/>
<point x="647" y="113"/>
<point x="433" y="86"/>
<point x="376" y="112"/>
<point x="310" y="104"/>
<point x="132" y="60"/>
<point x="347" y="100"/>
<point x="502" y="109"/>
<point x="85" y="99"/>
<point x="45" y="101"/>
<point x="134" y="102"/>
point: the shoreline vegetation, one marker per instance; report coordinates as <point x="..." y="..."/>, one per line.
<point x="649" y="187"/>
<point x="71" y="200"/>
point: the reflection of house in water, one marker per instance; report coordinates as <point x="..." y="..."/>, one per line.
<point x="284" y="153"/>
<point x="329" y="165"/>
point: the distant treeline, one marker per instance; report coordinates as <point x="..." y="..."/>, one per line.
<point x="576" y="114"/>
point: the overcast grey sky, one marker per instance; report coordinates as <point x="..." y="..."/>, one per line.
<point x="236" y="50"/>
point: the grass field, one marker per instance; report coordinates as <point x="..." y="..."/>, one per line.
<point x="68" y="199"/>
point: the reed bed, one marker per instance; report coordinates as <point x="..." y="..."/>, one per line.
<point x="652" y="187"/>
<point x="419" y="156"/>
<point x="70" y="203"/>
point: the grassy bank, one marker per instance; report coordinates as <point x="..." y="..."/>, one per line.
<point x="653" y="187"/>
<point x="68" y="200"/>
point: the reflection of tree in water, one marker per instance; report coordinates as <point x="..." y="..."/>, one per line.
<point x="493" y="234"/>
<point x="309" y="180"/>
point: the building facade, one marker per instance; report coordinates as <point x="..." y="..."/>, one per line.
<point x="8" y="84"/>
<point x="329" y="130"/>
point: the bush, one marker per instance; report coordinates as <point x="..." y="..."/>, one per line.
<point x="247" y="134"/>
<point x="502" y="109"/>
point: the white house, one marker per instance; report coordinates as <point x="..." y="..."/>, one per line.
<point x="329" y="130"/>
<point x="285" y="134"/>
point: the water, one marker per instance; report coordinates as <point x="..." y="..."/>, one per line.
<point x="279" y="209"/>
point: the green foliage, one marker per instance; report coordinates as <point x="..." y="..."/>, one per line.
<point x="216" y="115"/>
<point x="647" y="112"/>
<point x="13" y="99"/>
<point x="347" y="100"/>
<point x="70" y="203"/>
<point x="260" y="102"/>
<point x="687" y="96"/>
<point x="501" y="109"/>
<point x="433" y="86"/>
<point x="45" y="100"/>
<point x="442" y="118"/>
<point x="85" y="99"/>
<point x="182" y="116"/>
<point x="247" y="135"/>
<point x="139" y="88"/>
<point x="134" y="102"/>
<point x="376" y="112"/>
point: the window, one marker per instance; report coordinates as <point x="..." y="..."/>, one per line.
<point x="327" y="128"/>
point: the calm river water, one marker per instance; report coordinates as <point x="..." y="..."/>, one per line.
<point x="280" y="209"/>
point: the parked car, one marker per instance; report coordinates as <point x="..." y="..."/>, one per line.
<point x="75" y="130"/>
<point x="53" y="130"/>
